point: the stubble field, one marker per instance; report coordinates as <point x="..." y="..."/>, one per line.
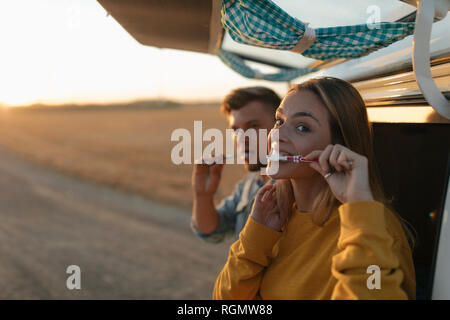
<point x="127" y="148"/>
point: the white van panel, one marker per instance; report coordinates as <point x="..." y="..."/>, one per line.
<point x="386" y="59"/>
<point x="441" y="283"/>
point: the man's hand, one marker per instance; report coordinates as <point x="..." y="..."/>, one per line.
<point x="206" y="179"/>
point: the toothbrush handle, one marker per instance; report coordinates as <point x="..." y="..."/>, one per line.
<point x="301" y="159"/>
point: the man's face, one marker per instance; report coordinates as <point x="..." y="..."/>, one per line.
<point x="253" y="115"/>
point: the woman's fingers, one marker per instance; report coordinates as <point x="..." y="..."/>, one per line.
<point x="313" y="155"/>
<point x="271" y="194"/>
<point x="336" y="151"/>
<point x="261" y="196"/>
<point x="317" y="167"/>
<point x="323" y="158"/>
<point x="333" y="156"/>
<point x="342" y="160"/>
<point x="350" y="159"/>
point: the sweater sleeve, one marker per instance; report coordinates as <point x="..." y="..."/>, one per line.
<point x="241" y="276"/>
<point x="366" y="250"/>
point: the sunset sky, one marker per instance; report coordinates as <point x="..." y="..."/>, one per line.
<point x="63" y="51"/>
<point x="70" y="51"/>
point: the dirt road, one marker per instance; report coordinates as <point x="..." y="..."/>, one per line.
<point x="127" y="247"/>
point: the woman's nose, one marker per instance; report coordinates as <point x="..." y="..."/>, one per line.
<point x="279" y="134"/>
<point x="275" y="137"/>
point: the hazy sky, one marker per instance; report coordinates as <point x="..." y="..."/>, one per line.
<point x="57" y="51"/>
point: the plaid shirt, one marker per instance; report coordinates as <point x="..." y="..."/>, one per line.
<point x="234" y="210"/>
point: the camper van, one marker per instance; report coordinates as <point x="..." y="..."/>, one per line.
<point x="405" y="85"/>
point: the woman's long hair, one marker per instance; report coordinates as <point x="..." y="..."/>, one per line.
<point x="350" y="127"/>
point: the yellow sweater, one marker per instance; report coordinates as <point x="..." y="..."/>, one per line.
<point x="306" y="261"/>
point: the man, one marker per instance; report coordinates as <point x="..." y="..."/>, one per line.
<point x="245" y="108"/>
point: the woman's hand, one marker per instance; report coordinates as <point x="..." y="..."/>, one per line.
<point x="265" y="209"/>
<point x="349" y="179"/>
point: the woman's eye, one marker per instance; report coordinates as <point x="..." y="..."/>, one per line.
<point x="303" y="128"/>
<point x="278" y="122"/>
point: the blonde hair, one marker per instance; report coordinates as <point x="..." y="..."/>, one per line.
<point x="350" y="127"/>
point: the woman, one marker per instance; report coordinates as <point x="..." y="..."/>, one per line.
<point x="325" y="230"/>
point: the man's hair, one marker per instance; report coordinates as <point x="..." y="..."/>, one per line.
<point x="238" y="98"/>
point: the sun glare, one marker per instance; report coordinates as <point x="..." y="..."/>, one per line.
<point x="70" y="51"/>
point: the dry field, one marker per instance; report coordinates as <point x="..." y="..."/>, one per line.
<point x="126" y="148"/>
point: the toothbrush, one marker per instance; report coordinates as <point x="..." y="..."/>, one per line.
<point x="277" y="157"/>
<point x="295" y="159"/>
